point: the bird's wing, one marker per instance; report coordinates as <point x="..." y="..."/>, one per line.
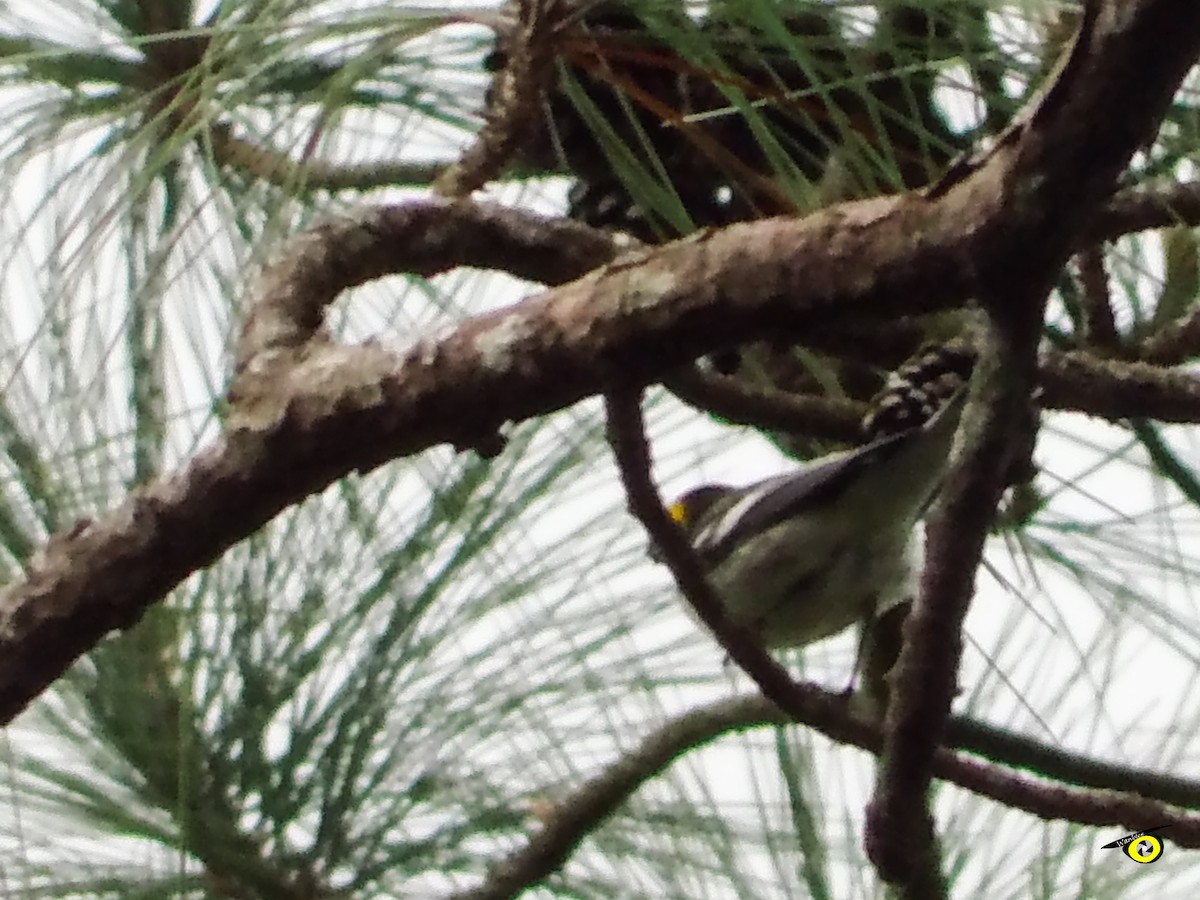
<point x="776" y="499"/>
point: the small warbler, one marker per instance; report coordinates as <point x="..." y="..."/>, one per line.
<point x="802" y="556"/>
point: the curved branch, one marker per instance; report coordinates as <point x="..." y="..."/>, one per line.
<point x="627" y="436"/>
<point x="764" y="407"/>
<point x="289" y="300"/>
<point x="1147" y="207"/>
<point x="575" y="816"/>
<point x="313" y="412"/>
<point x="513" y="101"/>
<point x="276" y="167"/>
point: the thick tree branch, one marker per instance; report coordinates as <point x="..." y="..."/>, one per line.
<point x="306" y="413"/>
<point x="289" y="300"/>
<point x="1114" y="39"/>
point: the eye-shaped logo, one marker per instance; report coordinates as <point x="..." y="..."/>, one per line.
<point x="1141" y="846"/>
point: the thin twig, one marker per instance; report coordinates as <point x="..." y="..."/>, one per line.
<point x="765" y="407"/>
<point x="514" y="102"/>
<point x="575" y="815"/>
<point x="1143" y="208"/>
<point x="1118" y="389"/>
<point x="1018" y="751"/>
<point x="627" y="436"/>
<point x="1099" y="323"/>
<point x="1173" y="343"/>
<point x="579" y="813"/>
<point x="276" y="167"/>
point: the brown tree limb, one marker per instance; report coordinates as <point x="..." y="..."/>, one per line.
<point x="1146" y="207"/>
<point x="1099" y="322"/>
<point x="276" y="167"/>
<point x="1118" y="389"/>
<point x="900" y="836"/>
<point x="318" y="412"/>
<point x="1050" y="761"/>
<point x="1074" y="381"/>
<point x="1175" y="342"/>
<point x="764" y="407"/>
<point x="289" y="300"/>
<point x="1117" y="795"/>
<point x="514" y="102"/>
